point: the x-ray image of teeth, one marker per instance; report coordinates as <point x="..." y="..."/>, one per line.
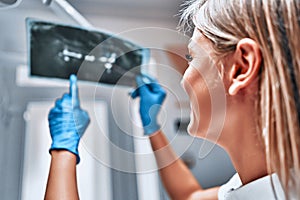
<point x="58" y="51"/>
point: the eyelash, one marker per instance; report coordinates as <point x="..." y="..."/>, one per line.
<point x="189" y="57"/>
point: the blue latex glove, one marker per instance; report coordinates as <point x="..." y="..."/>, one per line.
<point x="67" y="121"/>
<point x="152" y="96"/>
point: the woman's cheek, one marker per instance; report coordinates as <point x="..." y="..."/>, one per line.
<point x="187" y="83"/>
<point x="186" y="80"/>
<point x="197" y="91"/>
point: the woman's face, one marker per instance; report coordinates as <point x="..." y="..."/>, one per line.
<point x="203" y="84"/>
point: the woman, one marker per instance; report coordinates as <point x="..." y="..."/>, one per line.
<point x="254" y="46"/>
<point x="257" y="44"/>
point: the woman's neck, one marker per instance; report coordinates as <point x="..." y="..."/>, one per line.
<point x="250" y="165"/>
<point x="246" y="150"/>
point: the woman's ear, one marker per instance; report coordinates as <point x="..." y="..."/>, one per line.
<point x="246" y="65"/>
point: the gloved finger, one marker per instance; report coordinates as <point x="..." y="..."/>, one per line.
<point x="74" y="91"/>
<point x="53" y="112"/>
<point x="139" y="81"/>
<point x="58" y="103"/>
<point x="156" y="87"/>
<point x="152" y="83"/>
<point x="143" y="89"/>
<point x="150" y="78"/>
<point x="63" y="102"/>
<point x="134" y="93"/>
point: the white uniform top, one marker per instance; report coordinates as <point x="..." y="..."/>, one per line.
<point x="260" y="189"/>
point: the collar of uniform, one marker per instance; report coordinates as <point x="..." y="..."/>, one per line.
<point x="259" y="189"/>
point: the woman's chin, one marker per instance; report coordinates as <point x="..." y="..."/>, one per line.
<point x="196" y="133"/>
<point x="194" y="129"/>
<point x="191" y="131"/>
<point x="197" y="129"/>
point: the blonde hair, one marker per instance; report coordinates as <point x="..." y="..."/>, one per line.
<point x="274" y="25"/>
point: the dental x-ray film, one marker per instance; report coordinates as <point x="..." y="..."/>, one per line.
<point x="57" y="51"/>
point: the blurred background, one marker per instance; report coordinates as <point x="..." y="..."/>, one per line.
<point x="104" y="172"/>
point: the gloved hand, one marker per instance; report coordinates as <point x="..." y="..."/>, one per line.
<point x="152" y="96"/>
<point x="67" y="121"/>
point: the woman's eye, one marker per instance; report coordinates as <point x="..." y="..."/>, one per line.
<point x="189" y="57"/>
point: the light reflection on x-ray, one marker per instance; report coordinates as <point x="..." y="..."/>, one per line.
<point x="107" y="61"/>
